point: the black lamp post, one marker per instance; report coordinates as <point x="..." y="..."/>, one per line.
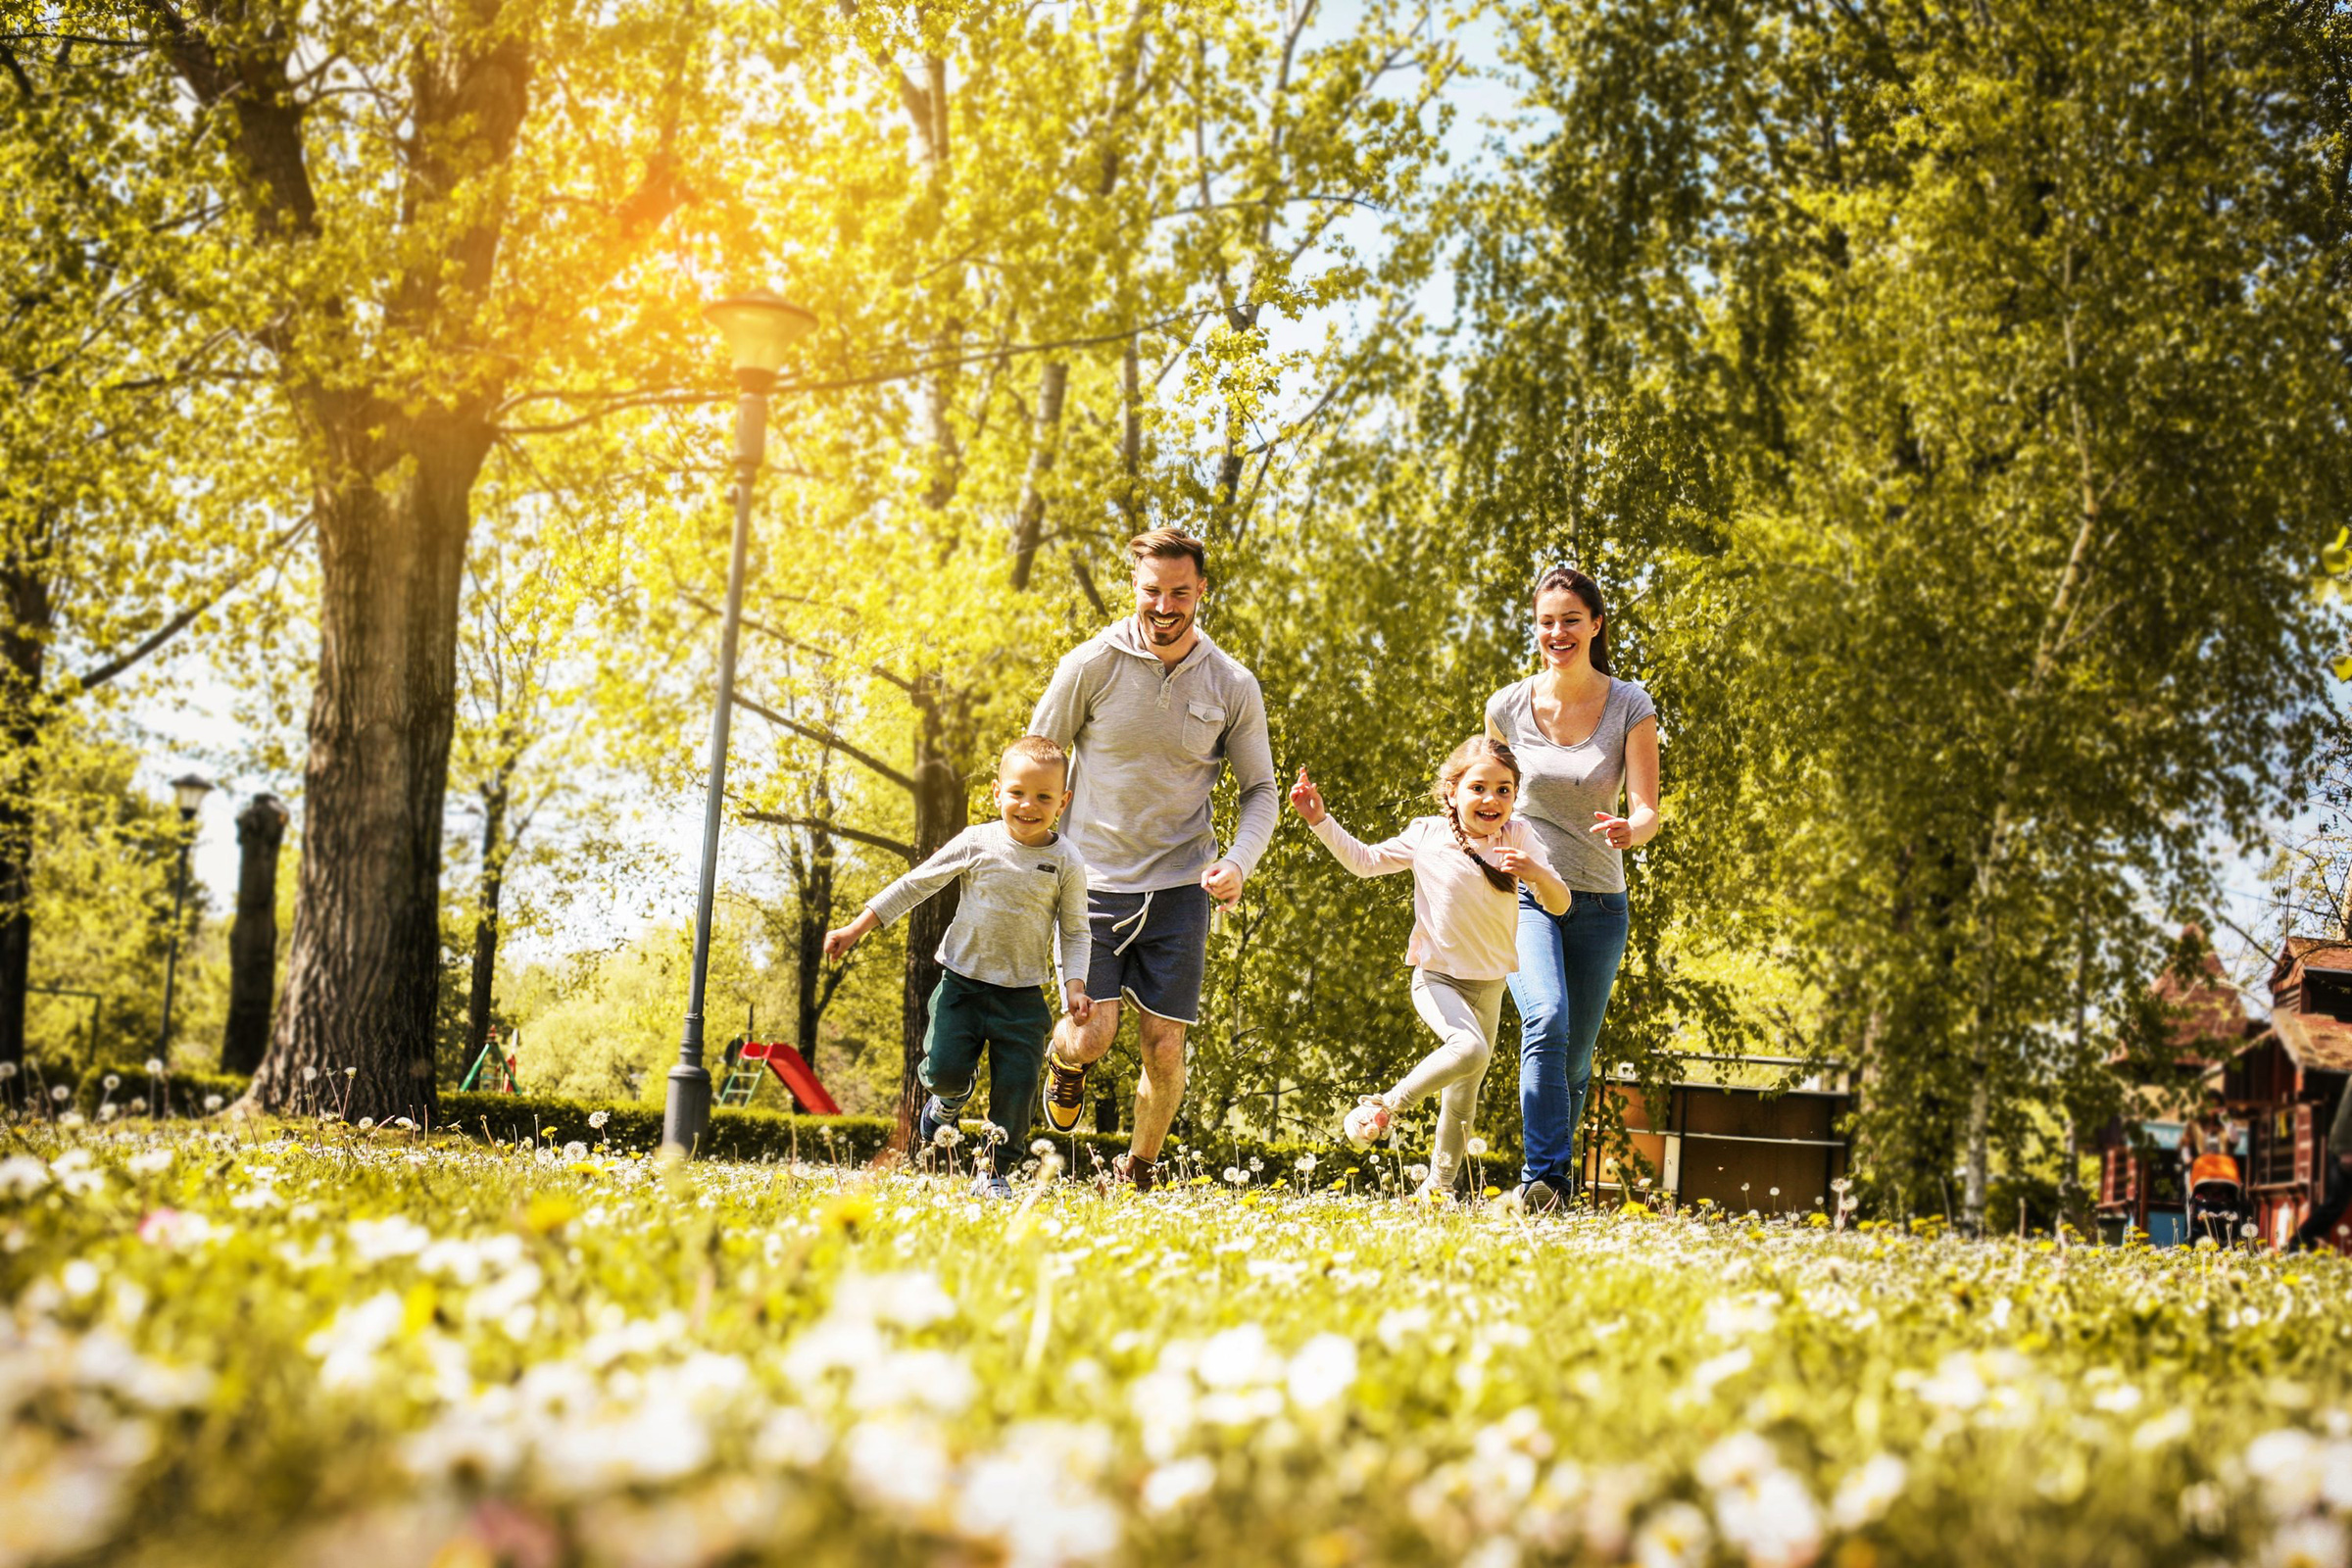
<point x="188" y="792"/>
<point x="759" y="327"/>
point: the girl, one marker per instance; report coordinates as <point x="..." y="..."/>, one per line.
<point x="1468" y="868"/>
<point x="1584" y="736"/>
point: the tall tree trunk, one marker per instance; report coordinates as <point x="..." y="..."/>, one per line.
<point x="938" y="816"/>
<point x="2070" y="1173"/>
<point x="2069" y="1179"/>
<point x="812" y="880"/>
<point x="16" y="894"/>
<point x="1052" y="385"/>
<point x="939" y="813"/>
<point x="481" y="991"/>
<point x="361" y="980"/>
<point x="391" y="488"/>
<point x="253" y="939"/>
<point x="26" y="611"/>
<point x="2057" y="624"/>
<point x="811" y="992"/>
<point x="1979" y="1161"/>
<point x="1131" y="435"/>
<point x="924" y="91"/>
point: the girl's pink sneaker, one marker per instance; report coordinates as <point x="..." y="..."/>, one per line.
<point x="1368" y="1123"/>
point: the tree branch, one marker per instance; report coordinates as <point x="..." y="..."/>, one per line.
<point x="100" y="674"/>
<point x="904" y="851"/>
<point x="616" y="401"/>
<point x="1199" y="209"/>
<point x="790" y="641"/>
<point x="826" y="737"/>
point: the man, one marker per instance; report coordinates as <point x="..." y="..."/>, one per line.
<point x="1153" y="712"/>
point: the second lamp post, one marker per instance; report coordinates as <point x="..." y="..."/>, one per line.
<point x="760" y="327"/>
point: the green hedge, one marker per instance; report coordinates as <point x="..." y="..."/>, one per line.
<point x="33" y="1081"/>
<point x="177" y="1094"/>
<point x="768" y="1134"/>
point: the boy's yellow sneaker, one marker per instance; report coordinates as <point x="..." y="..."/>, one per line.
<point x="1065" y="1094"/>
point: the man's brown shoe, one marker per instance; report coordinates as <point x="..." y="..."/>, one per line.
<point x="1134" y="1171"/>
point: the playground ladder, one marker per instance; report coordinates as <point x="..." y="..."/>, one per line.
<point x="743" y="1074"/>
<point x="499" y="1079"/>
<point x="789" y="1067"/>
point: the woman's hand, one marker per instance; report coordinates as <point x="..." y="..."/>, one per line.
<point x="1307" y="799"/>
<point x="1615" y="831"/>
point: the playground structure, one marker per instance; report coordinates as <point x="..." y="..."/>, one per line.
<point x="2169" y="1123"/>
<point x="746" y="1057"/>
<point x="2284" y="1084"/>
<point x="493" y="1070"/>
<point x="2231" y="1131"/>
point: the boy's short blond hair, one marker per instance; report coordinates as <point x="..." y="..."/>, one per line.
<point x="1036" y="749"/>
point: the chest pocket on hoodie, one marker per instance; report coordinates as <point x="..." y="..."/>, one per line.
<point x="1015" y="891"/>
<point x="1204" y="728"/>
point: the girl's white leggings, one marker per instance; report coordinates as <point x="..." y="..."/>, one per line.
<point x="1464" y="1014"/>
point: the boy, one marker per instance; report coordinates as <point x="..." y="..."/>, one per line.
<point x="1023" y="884"/>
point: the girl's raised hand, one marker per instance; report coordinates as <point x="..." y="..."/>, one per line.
<point x="1503" y="858"/>
<point x="1307" y="799"/>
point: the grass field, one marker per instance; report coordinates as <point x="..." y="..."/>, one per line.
<point x="350" y="1348"/>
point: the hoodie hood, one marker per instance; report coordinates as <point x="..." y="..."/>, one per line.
<point x="1126" y="634"/>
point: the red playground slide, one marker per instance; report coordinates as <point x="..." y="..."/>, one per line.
<point x="788" y="1064"/>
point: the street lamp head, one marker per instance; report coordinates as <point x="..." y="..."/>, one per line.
<point x="189" y="791"/>
<point x="758" y="328"/>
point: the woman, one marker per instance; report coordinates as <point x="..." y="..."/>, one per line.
<point x="1582" y="737"/>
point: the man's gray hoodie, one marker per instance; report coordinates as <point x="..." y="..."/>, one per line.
<point x="1147" y="741"/>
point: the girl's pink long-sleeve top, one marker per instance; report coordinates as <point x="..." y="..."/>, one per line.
<point x="1463" y="925"/>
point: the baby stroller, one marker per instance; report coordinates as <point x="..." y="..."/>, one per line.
<point x="2216" y="1199"/>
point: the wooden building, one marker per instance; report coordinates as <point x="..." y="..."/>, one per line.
<point x="2143" y="1169"/>
<point x="2287" y="1081"/>
<point x="1728" y="1143"/>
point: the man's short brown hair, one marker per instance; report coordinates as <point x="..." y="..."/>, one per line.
<point x="1036" y="749"/>
<point x="1167" y="544"/>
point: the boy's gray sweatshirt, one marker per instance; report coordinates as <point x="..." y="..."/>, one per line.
<point x="1015" y="896"/>
<point x="1148" y="742"/>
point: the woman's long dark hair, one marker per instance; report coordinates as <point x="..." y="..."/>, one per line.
<point x="1586" y="589"/>
<point x="1472" y="751"/>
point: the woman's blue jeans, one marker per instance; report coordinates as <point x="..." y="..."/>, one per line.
<point x="1567" y="964"/>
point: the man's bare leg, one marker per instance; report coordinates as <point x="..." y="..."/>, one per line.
<point x="1080" y="1044"/>
<point x="1074" y="1048"/>
<point x="1159" y="1088"/>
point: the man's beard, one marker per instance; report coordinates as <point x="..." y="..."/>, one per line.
<point x="1168" y="635"/>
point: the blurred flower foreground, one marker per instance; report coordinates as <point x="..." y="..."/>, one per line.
<point x="361" y="1348"/>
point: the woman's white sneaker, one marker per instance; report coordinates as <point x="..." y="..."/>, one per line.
<point x="1369" y="1122"/>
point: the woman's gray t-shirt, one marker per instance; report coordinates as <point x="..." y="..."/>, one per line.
<point x="1560" y="787"/>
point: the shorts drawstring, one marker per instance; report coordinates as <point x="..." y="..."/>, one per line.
<point x="1136" y="921"/>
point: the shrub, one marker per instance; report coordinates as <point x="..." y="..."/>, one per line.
<point x="174" y="1094"/>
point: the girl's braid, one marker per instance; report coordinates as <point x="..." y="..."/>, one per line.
<point x="1503" y="881"/>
